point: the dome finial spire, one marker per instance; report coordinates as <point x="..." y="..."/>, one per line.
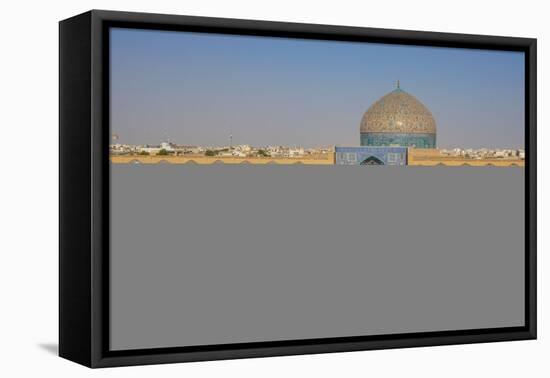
<point x="398" y="87"/>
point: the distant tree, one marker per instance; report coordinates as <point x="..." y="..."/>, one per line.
<point x="143" y="153"/>
<point x="210" y="153"/>
<point x="263" y="153"/>
<point x="162" y="152"/>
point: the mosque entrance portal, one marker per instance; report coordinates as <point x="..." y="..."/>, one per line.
<point x="372" y="160"/>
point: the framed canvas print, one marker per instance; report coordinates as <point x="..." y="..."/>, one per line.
<point x="234" y="188"/>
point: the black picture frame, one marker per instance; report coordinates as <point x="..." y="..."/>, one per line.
<point x="84" y="188"/>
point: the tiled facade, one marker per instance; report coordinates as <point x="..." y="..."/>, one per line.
<point x="370" y="155"/>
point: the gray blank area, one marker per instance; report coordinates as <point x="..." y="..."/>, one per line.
<point x="231" y="254"/>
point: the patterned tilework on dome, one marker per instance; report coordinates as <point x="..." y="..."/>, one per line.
<point x="398" y="119"/>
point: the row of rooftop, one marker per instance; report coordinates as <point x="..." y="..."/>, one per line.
<point x="245" y="150"/>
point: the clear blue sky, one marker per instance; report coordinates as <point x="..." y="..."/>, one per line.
<point x="196" y="89"/>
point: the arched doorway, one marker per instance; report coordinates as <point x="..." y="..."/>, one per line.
<point x="372" y="160"/>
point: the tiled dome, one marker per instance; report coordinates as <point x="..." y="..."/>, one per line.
<point x="398" y="112"/>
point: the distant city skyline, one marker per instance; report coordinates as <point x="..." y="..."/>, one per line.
<point x="198" y="89"/>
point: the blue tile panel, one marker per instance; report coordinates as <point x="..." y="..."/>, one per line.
<point x="396" y="139"/>
<point x="369" y="155"/>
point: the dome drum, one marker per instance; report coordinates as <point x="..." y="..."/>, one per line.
<point x="395" y="139"/>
